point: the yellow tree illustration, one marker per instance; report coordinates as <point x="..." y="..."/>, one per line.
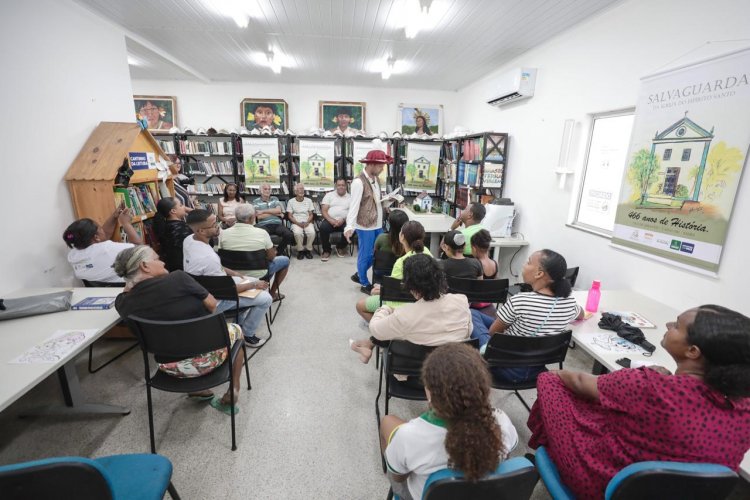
<point x="722" y="163"/>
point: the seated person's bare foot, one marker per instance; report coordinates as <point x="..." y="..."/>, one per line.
<point x="363" y="348"/>
<point x="225" y="400"/>
<point x="375" y="290"/>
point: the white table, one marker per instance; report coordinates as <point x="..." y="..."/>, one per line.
<point x="498" y="243"/>
<point x="584" y="333"/>
<point x="434" y="224"/>
<point x="19" y="335"/>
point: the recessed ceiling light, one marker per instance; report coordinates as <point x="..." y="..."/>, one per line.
<point x="417" y="15"/>
<point x="134" y="61"/>
<point x="273" y="59"/>
<point x="239" y="10"/>
<point x="388" y="66"/>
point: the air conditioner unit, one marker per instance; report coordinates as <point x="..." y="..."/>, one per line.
<point x="514" y="86"/>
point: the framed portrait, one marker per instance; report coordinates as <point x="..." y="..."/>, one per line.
<point x="259" y="113"/>
<point x="159" y="110"/>
<point x="342" y="116"/>
<point x="421" y="118"/>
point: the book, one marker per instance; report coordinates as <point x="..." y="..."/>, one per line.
<point x="94" y="303"/>
<point x="250" y="294"/>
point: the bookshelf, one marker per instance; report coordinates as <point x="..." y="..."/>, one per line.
<point x="211" y="160"/>
<point x="92" y="177"/>
<point x="356" y="148"/>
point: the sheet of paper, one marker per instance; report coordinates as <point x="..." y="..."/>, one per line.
<point x="52" y="350"/>
<point x="610" y="342"/>
<point x="251" y="294"/>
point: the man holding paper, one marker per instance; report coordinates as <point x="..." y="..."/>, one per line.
<point x="199" y="259"/>
<point x="366" y="214"/>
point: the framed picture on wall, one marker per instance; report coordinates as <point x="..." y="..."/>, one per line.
<point x="422" y="119"/>
<point x="159" y="110"/>
<point x="260" y="113"/>
<point x="346" y="117"/>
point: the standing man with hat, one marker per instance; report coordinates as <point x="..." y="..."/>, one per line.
<point x="366" y="214"/>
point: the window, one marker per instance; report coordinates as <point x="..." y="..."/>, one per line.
<point x="667" y="154"/>
<point x="603" y="169"/>
<point x="686" y="154"/>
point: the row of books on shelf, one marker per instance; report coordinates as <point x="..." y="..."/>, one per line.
<point x="166" y="145"/>
<point x="209" y="188"/>
<point x="190" y="147"/>
<point x="224" y="167"/>
<point x="467" y="174"/>
<point x="283" y="189"/>
<point x="471" y="149"/>
<point x="140" y="198"/>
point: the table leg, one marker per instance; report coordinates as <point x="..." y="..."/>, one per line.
<point x="435" y="244"/>
<point x="599" y="369"/>
<point x="75" y="403"/>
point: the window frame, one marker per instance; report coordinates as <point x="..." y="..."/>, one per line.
<point x="580" y="179"/>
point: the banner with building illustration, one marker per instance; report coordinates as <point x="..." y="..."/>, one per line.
<point x="687" y="151"/>
<point x="421" y="168"/>
<point x="316" y="164"/>
<point x="260" y="159"/>
<point x="360" y="150"/>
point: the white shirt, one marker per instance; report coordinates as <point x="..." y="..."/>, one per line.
<point x="94" y="263"/>
<point x="300" y="210"/>
<point x="338" y="206"/>
<point x="199" y="259"/>
<point x="417" y="448"/>
<point x="356" y="198"/>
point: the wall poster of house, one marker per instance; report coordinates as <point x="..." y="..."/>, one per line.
<point x="360" y="150"/>
<point x="421" y="166"/>
<point x="260" y="160"/>
<point x="316" y="167"/>
<point x="684" y="164"/>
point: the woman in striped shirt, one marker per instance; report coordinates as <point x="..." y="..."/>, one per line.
<point x="546" y="310"/>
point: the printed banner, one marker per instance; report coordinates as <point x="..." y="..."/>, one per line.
<point x="421" y="166"/>
<point x="316" y="162"/>
<point x="361" y="148"/>
<point x="261" y="161"/>
<point x="687" y="151"/>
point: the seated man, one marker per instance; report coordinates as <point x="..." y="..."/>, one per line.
<point x="300" y="212"/>
<point x="471" y="218"/>
<point x="243" y="236"/>
<point x="335" y="207"/>
<point x="199" y="259"/>
<point x="268" y="212"/>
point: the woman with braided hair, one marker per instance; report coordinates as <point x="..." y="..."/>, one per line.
<point x="460" y="430"/>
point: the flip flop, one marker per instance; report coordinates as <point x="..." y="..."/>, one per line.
<point x="278" y="297"/>
<point x="195" y="397"/>
<point x="225" y="409"/>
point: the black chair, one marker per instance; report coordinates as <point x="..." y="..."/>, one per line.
<point x="248" y="260"/>
<point x="382" y="265"/>
<point x="181" y="340"/>
<point x="492" y="291"/>
<point x="514" y="351"/>
<point x="224" y="288"/>
<point x="337" y="237"/>
<point x="391" y="289"/>
<point x="572" y="275"/>
<point x="104" y="284"/>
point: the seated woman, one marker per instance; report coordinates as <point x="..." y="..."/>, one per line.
<point x="594" y="426"/>
<point x="171" y="229"/>
<point x="390" y="241"/>
<point x="480" y="248"/>
<point x="228" y="203"/>
<point x="412" y="240"/>
<point x="461" y="429"/>
<point x="546" y="310"/>
<point x="92" y="249"/>
<point x="457" y="265"/>
<point x="435" y="318"/>
<point x="152" y="292"/>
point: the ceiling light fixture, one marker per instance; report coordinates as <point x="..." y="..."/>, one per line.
<point x="417" y="12"/>
<point x="239" y="10"/>
<point x="388" y="68"/>
<point x="274" y="63"/>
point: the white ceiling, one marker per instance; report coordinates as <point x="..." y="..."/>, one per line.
<point x="336" y="41"/>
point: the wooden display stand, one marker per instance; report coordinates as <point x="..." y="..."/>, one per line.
<point x="91" y="177"/>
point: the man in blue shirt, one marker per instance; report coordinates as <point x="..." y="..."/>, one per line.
<point x="268" y="212"/>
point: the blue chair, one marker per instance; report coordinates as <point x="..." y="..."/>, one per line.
<point x="650" y="480"/>
<point x="117" y="477"/>
<point x="513" y="479"/>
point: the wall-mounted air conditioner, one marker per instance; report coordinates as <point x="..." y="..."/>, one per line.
<point x="514" y="86"/>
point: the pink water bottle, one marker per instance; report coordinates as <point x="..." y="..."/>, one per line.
<point x="592" y="301"/>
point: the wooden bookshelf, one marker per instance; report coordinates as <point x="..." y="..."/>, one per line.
<point x="91" y="178"/>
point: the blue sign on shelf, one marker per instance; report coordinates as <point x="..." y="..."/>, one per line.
<point x="138" y="161"/>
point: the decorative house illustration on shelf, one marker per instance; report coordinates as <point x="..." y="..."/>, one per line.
<point x="263" y="162"/>
<point x="422" y="166"/>
<point x="424" y="201"/>
<point x="681" y="150"/>
<point x="317" y="165"/>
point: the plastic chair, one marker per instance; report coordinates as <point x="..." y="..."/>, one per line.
<point x="514" y="479"/>
<point x="650" y="480"/>
<point x="511" y="351"/>
<point x="572" y="275"/>
<point x="249" y="260"/>
<point x="181" y="340"/>
<point x="224" y="288"/>
<point x="492" y="291"/>
<point x="382" y="265"/>
<point x="137" y="476"/>
<point x="104" y="284"/>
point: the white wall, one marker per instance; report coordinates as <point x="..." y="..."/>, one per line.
<point x="596" y="67"/>
<point x="218" y="104"/>
<point x="64" y="71"/>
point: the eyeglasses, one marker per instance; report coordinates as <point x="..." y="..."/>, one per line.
<point x="212" y="226"/>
